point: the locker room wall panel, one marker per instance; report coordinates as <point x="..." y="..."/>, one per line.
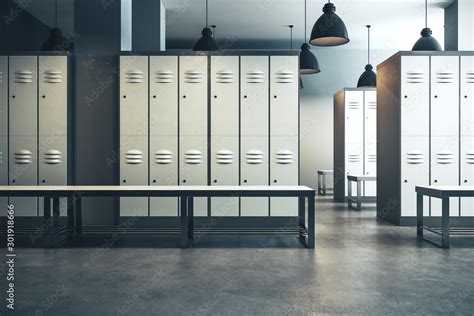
<point x="193" y="83"/>
<point x="52" y="95"/>
<point x="134" y="95"/>
<point x="467" y="95"/>
<point x="254" y="95"/>
<point x="467" y="173"/>
<point x="164" y="95"/>
<point x="284" y="95"/>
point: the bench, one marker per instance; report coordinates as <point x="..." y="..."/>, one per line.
<point x="186" y="194"/>
<point x="358" y="179"/>
<point x="322" y="181"/>
<point x="444" y="193"/>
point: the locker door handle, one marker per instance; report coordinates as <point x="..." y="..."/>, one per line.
<point x="245" y="97"/>
<point x="43" y="181"/>
<point x="436" y="96"/>
<point x="154" y="181"/>
<point x="184" y="181"/>
<point x="124" y="96"/>
<point x="44" y="97"/>
<point x="465" y="181"/>
<point x="275" y="96"/>
<point x="406" y="181"/>
<point x="13" y="181"/>
<point x="13" y="96"/>
<point x="406" y="97"/>
<point x="184" y="97"/>
<point x="215" y="97"/>
<point x="435" y="181"/>
<point x="275" y="181"/>
<point x="124" y="181"/>
<point x="154" y="97"/>
<point x="215" y="181"/>
<point x="465" y="97"/>
<point x="245" y="181"/>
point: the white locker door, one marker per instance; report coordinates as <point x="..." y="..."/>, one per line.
<point x="225" y="171"/>
<point x="467" y="95"/>
<point x="193" y="167"/>
<point x="444" y="169"/>
<point x="467" y="173"/>
<point x="284" y="171"/>
<point x="254" y="171"/>
<point x="415" y="170"/>
<point x="254" y="95"/>
<point x="444" y="95"/>
<point x="133" y="95"/>
<point x="3" y="129"/>
<point x="354" y="122"/>
<point x="370" y="140"/>
<point x="134" y="171"/>
<point x="193" y="95"/>
<point x="415" y="91"/>
<point x="354" y="163"/>
<point x="164" y="171"/>
<point x="23" y="171"/>
<point x="284" y="96"/>
<point x="164" y="95"/>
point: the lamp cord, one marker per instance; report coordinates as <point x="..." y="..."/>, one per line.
<point x="291" y="37"/>
<point x="56" y="13"/>
<point x="305" y="21"/>
<point x="368" y="44"/>
<point x="426" y="13"/>
<point x="207" y="10"/>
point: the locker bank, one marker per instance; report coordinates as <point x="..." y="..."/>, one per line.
<point x="230" y="157"/>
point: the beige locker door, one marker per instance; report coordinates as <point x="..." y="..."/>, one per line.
<point x="467" y="96"/>
<point x="370" y="141"/>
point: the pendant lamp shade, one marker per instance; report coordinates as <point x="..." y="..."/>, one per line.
<point x="329" y="29"/>
<point x="368" y="77"/>
<point x="207" y="41"/>
<point x="308" y="62"/>
<point x="426" y="41"/>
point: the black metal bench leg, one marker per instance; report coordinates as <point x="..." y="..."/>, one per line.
<point x="311" y="222"/>
<point x="190" y="218"/>
<point x="419" y="215"/>
<point x="70" y="218"/>
<point x="56" y="223"/>
<point x="184" y="238"/>
<point x="445" y="222"/>
<point x="47" y="222"/>
<point x="301" y="216"/>
<point x="78" y="216"/>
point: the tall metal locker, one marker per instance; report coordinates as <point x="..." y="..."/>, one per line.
<point x="3" y="129"/>
<point x="193" y="124"/>
<point x="444" y="127"/>
<point x="23" y="114"/>
<point x="370" y="140"/>
<point x="164" y="131"/>
<point x="224" y="131"/>
<point x="284" y="128"/>
<point x="53" y="123"/>
<point x="134" y="131"/>
<point x="254" y="131"/>
<point x="467" y="130"/>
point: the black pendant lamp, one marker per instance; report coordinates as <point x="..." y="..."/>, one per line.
<point x="368" y="77"/>
<point x="207" y="41"/>
<point x="329" y="29"/>
<point x="308" y="62"/>
<point x="426" y="41"/>
<point x="56" y="41"/>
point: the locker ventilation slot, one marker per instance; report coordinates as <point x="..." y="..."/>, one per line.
<point x="353" y="157"/>
<point x="225" y="157"/>
<point x="134" y="76"/>
<point x="415" y="77"/>
<point x="372" y="105"/>
<point x="284" y="157"/>
<point x="193" y="157"/>
<point x="133" y="157"/>
<point x="1" y="157"/>
<point x="445" y="158"/>
<point x="444" y="77"/>
<point x="53" y="76"/>
<point x="254" y="76"/>
<point x="225" y="76"/>
<point x="52" y="157"/>
<point x="470" y="158"/>
<point x="354" y="105"/>
<point x="372" y="158"/>
<point x="284" y="76"/>
<point x="470" y="77"/>
<point x="1" y="77"/>
<point x="254" y="157"/>
<point x="163" y="157"/>
<point x="193" y="76"/>
<point x="23" y="157"/>
<point x="415" y="158"/>
<point x="23" y="76"/>
<point x="164" y="76"/>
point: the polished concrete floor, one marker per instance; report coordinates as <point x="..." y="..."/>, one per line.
<point x="359" y="267"/>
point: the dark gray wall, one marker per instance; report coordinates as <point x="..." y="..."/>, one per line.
<point x="451" y="27"/>
<point x="146" y="25"/>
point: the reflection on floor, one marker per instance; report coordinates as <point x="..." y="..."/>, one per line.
<point x="360" y="266"/>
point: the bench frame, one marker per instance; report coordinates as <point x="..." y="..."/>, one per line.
<point x="358" y="199"/>
<point x="322" y="181"/>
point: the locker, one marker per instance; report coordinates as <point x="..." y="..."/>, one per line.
<point x="164" y="171"/>
<point x="467" y="173"/>
<point x="52" y="95"/>
<point x="134" y="171"/>
<point x="52" y="164"/>
<point x="284" y="170"/>
<point x="415" y="91"/>
<point x="254" y="171"/>
<point x="193" y="95"/>
<point x="225" y="95"/>
<point x="163" y="95"/>
<point x="354" y="162"/>
<point x="225" y="171"/>
<point x="193" y="167"/>
<point x="3" y="171"/>
<point x="467" y="95"/>
<point x="415" y="170"/>
<point x="370" y="140"/>
<point x="444" y="95"/>
<point x="284" y="96"/>
<point x="254" y="105"/>
<point x="23" y="171"/>
<point x="133" y="95"/>
<point x="3" y="129"/>
<point x="444" y="169"/>
<point x="370" y="168"/>
<point x="354" y="122"/>
<point x="23" y="96"/>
